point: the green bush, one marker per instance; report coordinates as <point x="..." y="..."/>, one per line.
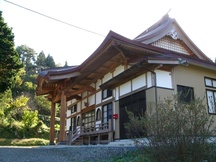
<point x="5" y="142"/>
<point x="30" y="142"/>
<point x="175" y="131"/>
<point x="23" y="142"/>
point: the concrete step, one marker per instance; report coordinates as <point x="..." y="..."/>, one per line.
<point x="123" y="142"/>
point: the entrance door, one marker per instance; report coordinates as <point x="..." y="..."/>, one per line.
<point x="135" y="103"/>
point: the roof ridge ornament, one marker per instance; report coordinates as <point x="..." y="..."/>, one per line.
<point x="173" y="34"/>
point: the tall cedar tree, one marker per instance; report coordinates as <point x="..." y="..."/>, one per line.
<point x="9" y="58"/>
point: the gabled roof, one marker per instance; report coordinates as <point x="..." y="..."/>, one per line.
<point x="167" y="26"/>
<point x="118" y="50"/>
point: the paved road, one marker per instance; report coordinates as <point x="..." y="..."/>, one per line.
<point x="61" y="153"/>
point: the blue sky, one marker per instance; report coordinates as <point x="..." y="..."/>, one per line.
<point x="128" y="18"/>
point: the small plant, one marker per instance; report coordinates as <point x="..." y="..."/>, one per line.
<point x="174" y="131"/>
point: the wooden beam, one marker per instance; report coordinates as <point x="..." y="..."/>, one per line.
<point x="64" y="76"/>
<point x="62" y="119"/>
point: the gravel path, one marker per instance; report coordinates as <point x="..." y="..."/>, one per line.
<point x="61" y="153"/>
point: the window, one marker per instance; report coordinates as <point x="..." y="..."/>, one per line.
<point x="107" y="112"/>
<point x="210" y="82"/>
<point x="89" y="119"/>
<point x="78" y="121"/>
<point x="98" y="114"/>
<point x="185" y="94"/>
<point x="211" y="94"/>
<point x="73" y="124"/>
<point x="106" y="93"/>
<point x="74" y="108"/>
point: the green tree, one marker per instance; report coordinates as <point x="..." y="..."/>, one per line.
<point x="27" y="57"/>
<point x="43" y="105"/>
<point x="50" y="63"/>
<point x="41" y="60"/>
<point x="30" y="119"/>
<point x="9" y="58"/>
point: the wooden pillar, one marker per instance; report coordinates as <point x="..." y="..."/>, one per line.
<point x="110" y="135"/>
<point x="62" y="119"/>
<point x="52" y="124"/>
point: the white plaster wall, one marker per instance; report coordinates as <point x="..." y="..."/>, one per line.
<point x="83" y="103"/>
<point x="118" y="70"/>
<point x="69" y="103"/>
<point x="98" y="97"/>
<point x="125" y="88"/>
<point x="164" y="78"/>
<point x="91" y="100"/>
<point x="149" y="79"/>
<point x="78" y="106"/>
<point x="84" y="94"/>
<point x="98" y="83"/>
<point x="139" y="82"/>
<point x="107" y="77"/>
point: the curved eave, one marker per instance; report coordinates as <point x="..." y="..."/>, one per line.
<point x="157" y="33"/>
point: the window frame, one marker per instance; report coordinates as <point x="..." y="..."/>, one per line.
<point x="88" y="119"/>
<point x="213" y="107"/>
<point x="181" y="97"/>
<point x="106" y="93"/>
<point x="73" y="108"/>
<point x="108" y="112"/>
<point x="98" y="114"/>
<point x="213" y="81"/>
<point x="211" y="103"/>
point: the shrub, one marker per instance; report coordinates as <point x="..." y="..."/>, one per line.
<point x="30" y="142"/>
<point x="175" y="131"/>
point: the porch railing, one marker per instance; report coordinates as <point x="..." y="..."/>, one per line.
<point x="82" y="130"/>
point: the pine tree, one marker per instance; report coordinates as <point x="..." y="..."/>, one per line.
<point x="9" y="58"/>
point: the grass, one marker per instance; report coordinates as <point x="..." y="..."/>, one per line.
<point x="23" y="142"/>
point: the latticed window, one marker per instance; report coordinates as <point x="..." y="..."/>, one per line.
<point x="89" y="119"/>
<point x="211" y="94"/>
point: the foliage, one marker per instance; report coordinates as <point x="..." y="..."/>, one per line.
<point x="50" y="61"/>
<point x="9" y="58"/>
<point x="11" y="109"/>
<point x="30" y="142"/>
<point x="175" y="131"/>
<point x="43" y="105"/>
<point x="18" y="72"/>
<point x="41" y="60"/>
<point x="23" y="142"/>
<point x="30" y="119"/>
<point x="27" y="57"/>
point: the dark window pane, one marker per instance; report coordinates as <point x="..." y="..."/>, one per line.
<point x="185" y="94"/>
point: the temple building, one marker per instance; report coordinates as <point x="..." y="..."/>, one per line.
<point x="125" y="75"/>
